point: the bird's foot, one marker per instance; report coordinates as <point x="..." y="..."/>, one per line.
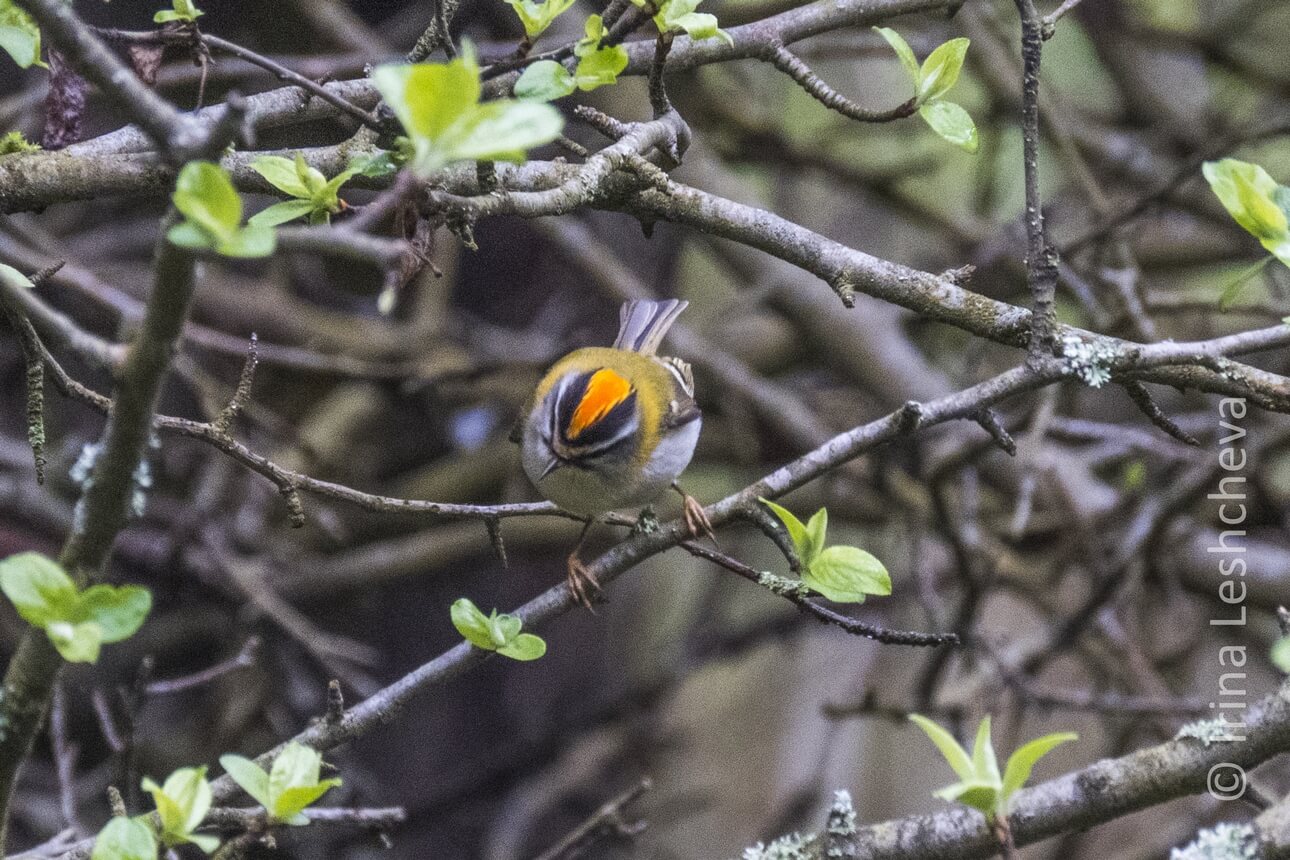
<point x="582" y="582"/>
<point x="696" y="518"/>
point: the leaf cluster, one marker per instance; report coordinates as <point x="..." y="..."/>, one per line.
<point x="980" y="784"/>
<point x="290" y="786"/>
<point x="76" y="622"/>
<point x="181" y="10"/>
<point x="843" y="574"/>
<point x="1259" y="204"/>
<point x="932" y="80"/>
<point x="537" y="17"/>
<point x="313" y="195"/>
<point x="597" y="66"/>
<point x="678" y="16"/>
<point x="494" y="632"/>
<point x="439" y="107"/>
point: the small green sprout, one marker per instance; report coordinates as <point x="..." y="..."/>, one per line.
<point x="181" y="10"/>
<point x="15" y="142"/>
<point x="125" y="839"/>
<point x="76" y="622"/>
<point x="678" y="16"/>
<point x="19" y="36"/>
<point x="980" y="785"/>
<point x="289" y="787"/>
<point x="182" y="803"/>
<point x="597" y="66"/>
<point x="537" y="17"/>
<point x="932" y="80"/>
<point x="1259" y="205"/>
<point x="494" y="632"/>
<point x="212" y="209"/>
<point x="314" y="195"/>
<point x="843" y="574"/>
<point x="439" y="107"/>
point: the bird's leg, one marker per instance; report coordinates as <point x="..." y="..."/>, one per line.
<point x="696" y="518"/>
<point x="581" y="581"/>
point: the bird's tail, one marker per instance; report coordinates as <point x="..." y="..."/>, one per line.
<point x="643" y="323"/>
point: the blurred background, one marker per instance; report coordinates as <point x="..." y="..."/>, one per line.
<point x="745" y="714"/>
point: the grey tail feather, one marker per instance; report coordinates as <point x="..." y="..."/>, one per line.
<point x="643" y="323"/>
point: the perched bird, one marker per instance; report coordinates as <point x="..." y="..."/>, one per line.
<point x="612" y="428"/>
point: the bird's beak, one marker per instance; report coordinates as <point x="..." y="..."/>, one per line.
<point x="551" y="466"/>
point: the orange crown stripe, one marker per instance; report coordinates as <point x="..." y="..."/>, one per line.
<point x="605" y="390"/>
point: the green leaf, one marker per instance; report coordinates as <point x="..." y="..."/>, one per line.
<point x="951" y="122"/>
<point x="429" y="98"/>
<point x="250" y="776"/>
<point x="170" y="813"/>
<point x="281" y="213"/>
<point x="504" y="130"/>
<point x="544" y="81"/>
<point x="940" y="71"/>
<point x="600" y="67"/>
<point x="327" y="196"/>
<point x="293" y="801"/>
<point x="118" y="610"/>
<point x="125" y="839"/>
<point x="817" y="528"/>
<point x="182" y="803"/>
<point x="1233" y="289"/>
<point x="796" y="531"/>
<point x="979" y="795"/>
<point x="950" y="748"/>
<point x="281" y="174"/>
<point x="206" y="197"/>
<point x="1246" y="191"/>
<point x="846" y="574"/>
<point x="38" y="587"/>
<point x="438" y="105"/>
<point x="380" y="164"/>
<point x="537" y="17"/>
<point x="1281" y="654"/>
<point x="253" y="240"/>
<point x="593" y="32"/>
<point x="525" y="647"/>
<point x="905" y="53"/>
<point x="1023" y="760"/>
<point x="293" y="782"/>
<point x="183" y="10"/>
<point x="76" y="642"/>
<point x="984" y="761"/>
<point x="186" y="234"/>
<point x="502" y="629"/>
<point x="19" y="35"/>
<point x="472" y="624"/>
<point x="679" y="15"/>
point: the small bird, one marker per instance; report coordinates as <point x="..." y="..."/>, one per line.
<point x="612" y="428"/>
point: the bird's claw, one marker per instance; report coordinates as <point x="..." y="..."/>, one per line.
<point x="696" y="519"/>
<point x="582" y="582"/>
